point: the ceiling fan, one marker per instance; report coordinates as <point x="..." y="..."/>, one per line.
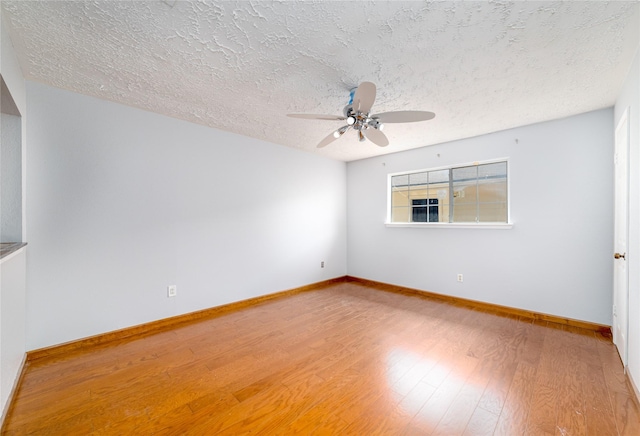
<point x="357" y="114"/>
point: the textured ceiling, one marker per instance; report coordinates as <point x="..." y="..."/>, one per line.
<point x="241" y="66"/>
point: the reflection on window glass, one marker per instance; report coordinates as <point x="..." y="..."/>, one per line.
<point x="466" y="194"/>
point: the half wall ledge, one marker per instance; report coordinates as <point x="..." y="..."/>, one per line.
<point x="6" y="248"/>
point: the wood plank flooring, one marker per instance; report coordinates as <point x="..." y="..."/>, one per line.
<point x="348" y="359"/>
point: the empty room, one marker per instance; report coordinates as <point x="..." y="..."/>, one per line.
<point x="320" y="217"/>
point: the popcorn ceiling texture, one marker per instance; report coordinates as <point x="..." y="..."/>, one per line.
<point x="241" y="66"/>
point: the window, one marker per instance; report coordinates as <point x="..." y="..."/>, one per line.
<point x="425" y="210"/>
<point x="474" y="193"/>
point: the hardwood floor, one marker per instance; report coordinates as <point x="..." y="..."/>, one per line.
<point x="348" y="359"/>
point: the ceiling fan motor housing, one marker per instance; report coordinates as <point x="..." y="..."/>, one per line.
<point x="349" y="114"/>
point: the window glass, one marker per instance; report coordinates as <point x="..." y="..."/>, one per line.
<point x="400" y="205"/>
<point x="464" y="194"/>
<point x="492" y="192"/>
<point x="438" y="190"/>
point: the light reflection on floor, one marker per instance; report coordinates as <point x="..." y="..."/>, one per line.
<point x="422" y="383"/>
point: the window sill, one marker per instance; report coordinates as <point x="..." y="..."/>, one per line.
<point x="500" y="226"/>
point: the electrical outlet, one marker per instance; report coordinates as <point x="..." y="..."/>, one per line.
<point x="322" y="264"/>
<point x="172" y="291"/>
<point x="460" y="278"/>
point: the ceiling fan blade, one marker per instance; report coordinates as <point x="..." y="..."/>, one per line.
<point x="376" y="136"/>
<point x="333" y="136"/>
<point x="364" y="97"/>
<point x="404" y="116"/>
<point x="317" y="117"/>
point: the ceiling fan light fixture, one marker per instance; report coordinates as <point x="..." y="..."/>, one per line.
<point x="351" y="120"/>
<point x="375" y="123"/>
<point x="338" y="133"/>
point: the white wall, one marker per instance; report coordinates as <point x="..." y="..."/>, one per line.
<point x="122" y="203"/>
<point x="630" y="98"/>
<point x="557" y="257"/>
<point x="12" y="272"/>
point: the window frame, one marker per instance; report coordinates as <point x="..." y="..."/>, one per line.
<point x="468" y="225"/>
